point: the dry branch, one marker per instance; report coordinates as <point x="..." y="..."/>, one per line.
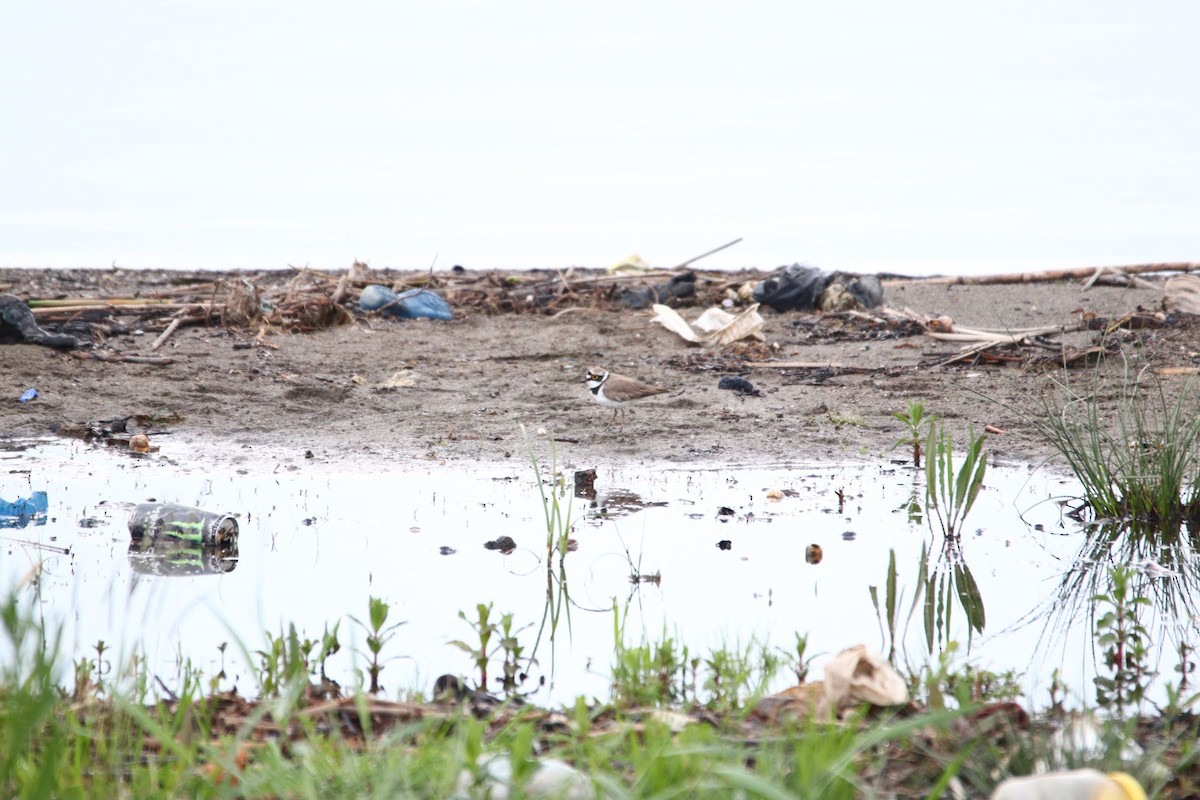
<point x="162" y="337"/>
<point x="121" y="357"/>
<point x="109" y="304"/>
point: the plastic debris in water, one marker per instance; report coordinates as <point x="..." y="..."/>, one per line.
<point x="25" y="508"/>
<point x="412" y="304"/>
<point x="28" y="395"/>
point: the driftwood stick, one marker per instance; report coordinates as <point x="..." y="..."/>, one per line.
<point x="1090" y="282"/>
<point x="118" y="308"/>
<point x="72" y="302"/>
<point x="162" y="337"/>
<point x="1081" y="273"/>
<point x="340" y="291"/>
<point x="122" y="358"/>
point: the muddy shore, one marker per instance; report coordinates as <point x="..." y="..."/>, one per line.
<point x="378" y="389"/>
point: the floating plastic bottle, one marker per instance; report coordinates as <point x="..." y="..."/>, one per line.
<point x="182" y="524"/>
<point x="411" y="304"/>
<point x="1080" y="784"/>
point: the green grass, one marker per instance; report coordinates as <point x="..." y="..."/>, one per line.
<point x="103" y="742"/>
<point x="1140" y="461"/>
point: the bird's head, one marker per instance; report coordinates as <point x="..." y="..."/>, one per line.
<point x="595" y="377"/>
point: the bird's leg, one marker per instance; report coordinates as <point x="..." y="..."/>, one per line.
<point x="613" y="418"/>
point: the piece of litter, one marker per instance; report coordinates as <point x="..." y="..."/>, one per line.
<point x="715" y="327"/>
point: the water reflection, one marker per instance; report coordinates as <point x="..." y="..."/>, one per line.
<point x="1164" y="571"/>
<point x="938" y="589"/>
<point x="166" y="558"/>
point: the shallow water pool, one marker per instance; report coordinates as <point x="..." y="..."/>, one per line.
<point x="721" y="554"/>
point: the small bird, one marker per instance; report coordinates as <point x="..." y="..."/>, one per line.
<point x="616" y="391"/>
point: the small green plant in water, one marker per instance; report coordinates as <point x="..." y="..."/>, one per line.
<point x="951" y="492"/>
<point x="558" y="529"/>
<point x="914" y="420"/>
<point x="733" y="675"/>
<point x="377" y="637"/>
<point x="558" y="517"/>
<point x="485" y="630"/>
<point x="1124" y="644"/>
<point x="650" y="674"/>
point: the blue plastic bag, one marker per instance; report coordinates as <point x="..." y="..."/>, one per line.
<point x="19" y="512"/>
<point x="28" y="395"/>
<point x="411" y="304"/>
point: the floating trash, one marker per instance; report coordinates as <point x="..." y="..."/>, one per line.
<point x="23" y="510"/>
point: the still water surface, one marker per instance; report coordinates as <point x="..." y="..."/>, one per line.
<point x="318" y="539"/>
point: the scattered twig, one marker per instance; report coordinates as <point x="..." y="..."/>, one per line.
<point x="812" y="365"/>
<point x="694" y="259"/>
<point x="162" y="337"/>
<point x="121" y="357"/>
<point x="572" y="310"/>
<point x="66" y="551"/>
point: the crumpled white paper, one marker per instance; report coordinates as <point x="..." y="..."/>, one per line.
<point x="713" y="328"/>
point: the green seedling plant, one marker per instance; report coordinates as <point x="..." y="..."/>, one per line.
<point x="486" y="628"/>
<point x="481" y="653"/>
<point x="949" y="492"/>
<point x="290" y="659"/>
<point x="379" y="633"/>
<point x="914" y="419"/>
<point x="1124" y="643"/>
<point x="651" y="673"/>
<point x="733" y="675"/>
<point x="512" y="672"/>
<point x="799" y="658"/>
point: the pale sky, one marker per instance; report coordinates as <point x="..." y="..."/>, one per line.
<point x="912" y="137"/>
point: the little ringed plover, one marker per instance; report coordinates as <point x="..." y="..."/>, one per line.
<point x="616" y="391"/>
